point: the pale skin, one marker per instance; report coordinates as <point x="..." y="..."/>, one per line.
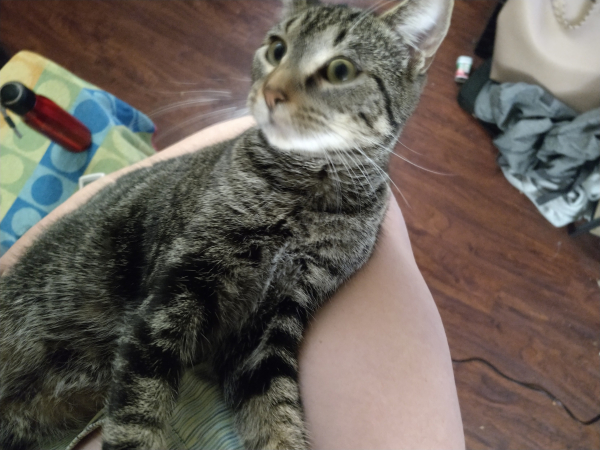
<point x="375" y="368"/>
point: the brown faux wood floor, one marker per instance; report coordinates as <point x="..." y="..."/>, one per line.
<point x="511" y="289"/>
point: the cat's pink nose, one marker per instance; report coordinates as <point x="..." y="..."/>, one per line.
<point x="273" y="97"/>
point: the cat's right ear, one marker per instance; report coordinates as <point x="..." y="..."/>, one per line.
<point x="422" y="24"/>
<point x="291" y="7"/>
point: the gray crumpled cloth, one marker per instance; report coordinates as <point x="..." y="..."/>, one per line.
<point x="547" y="151"/>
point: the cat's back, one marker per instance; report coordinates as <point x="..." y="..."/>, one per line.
<point x="104" y="248"/>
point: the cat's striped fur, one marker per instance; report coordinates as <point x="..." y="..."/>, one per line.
<point x="222" y="256"/>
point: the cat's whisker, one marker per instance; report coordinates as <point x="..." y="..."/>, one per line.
<point x="409" y="161"/>
<point x="182" y="104"/>
<point x="420" y="167"/>
<point x="218" y="79"/>
<point x="396" y="186"/>
<point x="397" y="141"/>
<point x="339" y="180"/>
<point x="373" y="142"/>
<point x="232" y="78"/>
<point x="384" y="173"/>
<point x="338" y="187"/>
<point x="344" y="155"/>
<point x="214" y="92"/>
<point x="184" y="82"/>
<point x="230" y="112"/>
<point x="341" y="160"/>
<point x="344" y="160"/>
<point x="360" y="167"/>
<point x="407" y="147"/>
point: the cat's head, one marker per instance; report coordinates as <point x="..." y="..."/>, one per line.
<point x="336" y="78"/>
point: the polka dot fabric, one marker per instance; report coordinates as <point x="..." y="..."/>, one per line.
<point x="37" y="175"/>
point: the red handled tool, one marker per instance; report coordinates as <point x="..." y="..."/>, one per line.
<point x="45" y="116"/>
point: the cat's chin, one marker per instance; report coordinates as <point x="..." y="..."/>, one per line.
<point x="283" y="135"/>
<point x="291" y="140"/>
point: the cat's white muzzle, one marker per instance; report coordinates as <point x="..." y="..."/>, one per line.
<point x="280" y="130"/>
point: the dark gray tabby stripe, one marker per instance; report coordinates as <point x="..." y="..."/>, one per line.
<point x="388" y="101"/>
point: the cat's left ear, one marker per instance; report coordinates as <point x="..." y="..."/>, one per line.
<point x="423" y="24"/>
<point x="294" y="6"/>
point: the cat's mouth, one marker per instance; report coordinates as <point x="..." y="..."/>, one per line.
<point x="285" y="130"/>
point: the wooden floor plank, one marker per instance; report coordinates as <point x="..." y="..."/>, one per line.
<point x="497" y="405"/>
<point x="511" y="288"/>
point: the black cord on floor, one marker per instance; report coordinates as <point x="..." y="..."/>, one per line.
<point x="532" y="386"/>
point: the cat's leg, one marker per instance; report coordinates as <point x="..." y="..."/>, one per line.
<point x="47" y="385"/>
<point x="38" y="414"/>
<point x="261" y="380"/>
<point x="42" y="399"/>
<point x="158" y="345"/>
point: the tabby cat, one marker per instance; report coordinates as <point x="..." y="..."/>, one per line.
<point x="221" y="256"/>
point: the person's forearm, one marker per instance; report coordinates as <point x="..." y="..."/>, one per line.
<point x="375" y="369"/>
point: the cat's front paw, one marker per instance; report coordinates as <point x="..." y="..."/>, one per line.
<point x="287" y="443"/>
<point x="273" y="420"/>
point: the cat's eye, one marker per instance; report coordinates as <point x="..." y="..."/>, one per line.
<point x="276" y="51"/>
<point x="340" y="71"/>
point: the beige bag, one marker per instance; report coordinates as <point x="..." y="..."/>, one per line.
<point x="552" y="43"/>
